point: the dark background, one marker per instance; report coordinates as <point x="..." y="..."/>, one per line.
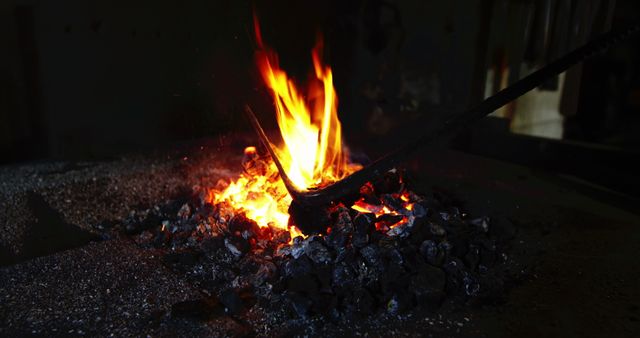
<point x="93" y="80"/>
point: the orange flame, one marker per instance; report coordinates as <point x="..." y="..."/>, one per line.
<point x="312" y="153"/>
<point x="263" y="198"/>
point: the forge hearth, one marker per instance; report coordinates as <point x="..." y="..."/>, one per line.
<point x="384" y="252"/>
<point x="149" y="265"/>
<point x="388" y="251"/>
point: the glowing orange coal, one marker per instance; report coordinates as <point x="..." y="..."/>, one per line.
<point x="258" y="193"/>
<point x="379" y="210"/>
<point x="261" y="195"/>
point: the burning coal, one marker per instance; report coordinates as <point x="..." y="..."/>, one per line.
<point x="385" y="253"/>
<point x="312" y="152"/>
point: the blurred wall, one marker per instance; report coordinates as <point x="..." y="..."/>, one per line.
<point x="117" y="76"/>
<point x="93" y="79"/>
<point x="88" y="79"/>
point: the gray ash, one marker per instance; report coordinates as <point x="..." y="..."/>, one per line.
<point x="420" y="252"/>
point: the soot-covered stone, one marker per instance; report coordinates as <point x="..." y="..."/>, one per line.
<point x="363" y="228"/>
<point x="238" y="246"/>
<point x="316" y="251"/>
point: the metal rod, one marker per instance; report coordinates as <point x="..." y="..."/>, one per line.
<point x="440" y="132"/>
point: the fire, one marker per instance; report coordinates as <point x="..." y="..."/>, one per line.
<point x="312" y="152"/>
<point x="260" y="195"/>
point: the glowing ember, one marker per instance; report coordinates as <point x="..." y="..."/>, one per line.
<point x="379" y="210"/>
<point x="258" y="192"/>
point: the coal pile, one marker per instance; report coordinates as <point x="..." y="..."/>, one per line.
<point x="410" y="251"/>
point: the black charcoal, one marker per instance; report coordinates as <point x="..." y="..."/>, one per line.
<point x="343" y="276"/>
<point x="238" y="246"/>
<point x="300" y="266"/>
<point x="445" y="248"/>
<point x="444" y="215"/>
<point x="393" y="306"/>
<point x="316" y="251"/>
<point x="338" y="237"/>
<point x="432" y="253"/>
<point x="471" y="285"/>
<point x="418" y="210"/>
<point x="436" y="229"/>
<point x="346" y="254"/>
<point x="297" y="247"/>
<point x="342" y="219"/>
<point x="363" y="227"/>
<point x="371" y="255"/>
<point x="266" y="273"/>
<point x="481" y="223"/>
<point x="283" y="250"/>
<point x="364" y="223"/>
<point x="394" y="256"/>
<point x="398" y="303"/>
